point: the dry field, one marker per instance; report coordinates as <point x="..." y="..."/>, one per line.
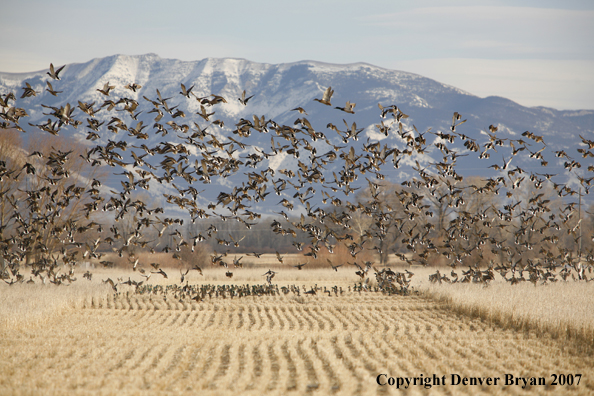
<point x="82" y="339"/>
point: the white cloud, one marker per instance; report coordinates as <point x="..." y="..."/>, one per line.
<point x="561" y="84"/>
<point x="491" y="31"/>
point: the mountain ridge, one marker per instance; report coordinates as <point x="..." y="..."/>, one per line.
<point x="279" y="88"/>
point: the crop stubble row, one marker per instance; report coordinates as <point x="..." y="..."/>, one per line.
<point x="142" y="344"/>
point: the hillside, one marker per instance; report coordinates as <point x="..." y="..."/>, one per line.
<point x="277" y="89"/>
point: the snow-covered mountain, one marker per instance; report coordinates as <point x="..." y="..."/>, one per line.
<point x="277" y="89"/>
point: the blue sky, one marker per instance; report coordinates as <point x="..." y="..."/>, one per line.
<point x="533" y="52"/>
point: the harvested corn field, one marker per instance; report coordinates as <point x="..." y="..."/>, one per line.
<point x="284" y="344"/>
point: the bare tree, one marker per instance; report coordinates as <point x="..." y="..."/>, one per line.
<point x="12" y="161"/>
<point x="49" y="206"/>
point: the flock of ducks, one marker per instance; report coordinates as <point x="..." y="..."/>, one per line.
<point x="435" y="214"/>
<point x="203" y="292"/>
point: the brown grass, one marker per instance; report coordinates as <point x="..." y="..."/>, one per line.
<point x="562" y="310"/>
<point x="96" y="342"/>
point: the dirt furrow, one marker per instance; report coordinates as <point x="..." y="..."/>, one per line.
<point x="222" y="367"/>
<point x="240" y="317"/>
<point x="336" y="313"/>
<point x="271" y="323"/>
<point x="292" y="380"/>
<point x="274" y="367"/>
<point x="281" y="322"/>
<point x="238" y="366"/>
<point x="333" y="379"/>
<point x="257" y="367"/>
<point x="348" y="364"/>
<point x="299" y="311"/>
<point x="251" y="317"/>
<point x="294" y="322"/>
<point x="313" y="382"/>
